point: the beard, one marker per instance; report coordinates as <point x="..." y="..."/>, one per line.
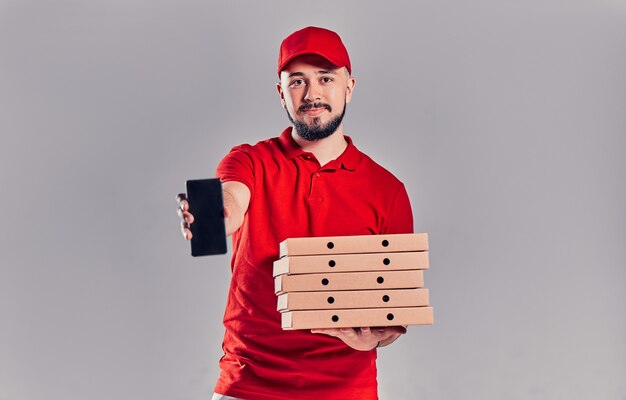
<point x="316" y="130"/>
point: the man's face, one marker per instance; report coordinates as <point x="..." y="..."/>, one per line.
<point x="315" y="92"/>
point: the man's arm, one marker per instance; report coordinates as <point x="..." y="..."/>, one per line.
<point x="365" y="338"/>
<point x="236" y="200"/>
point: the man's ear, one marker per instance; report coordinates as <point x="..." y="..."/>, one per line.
<point x="281" y="94"/>
<point x="351" y="83"/>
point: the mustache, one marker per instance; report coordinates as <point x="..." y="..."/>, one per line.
<point x="314" y="105"/>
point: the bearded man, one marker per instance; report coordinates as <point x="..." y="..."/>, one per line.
<point x="309" y="181"/>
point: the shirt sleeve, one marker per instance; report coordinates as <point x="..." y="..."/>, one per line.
<point x="400" y="215"/>
<point x="238" y="166"/>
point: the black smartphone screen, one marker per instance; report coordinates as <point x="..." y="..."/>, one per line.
<point x="207" y="206"/>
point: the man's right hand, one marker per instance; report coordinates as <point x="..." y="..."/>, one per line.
<point x="236" y="200"/>
<point x="186" y="218"/>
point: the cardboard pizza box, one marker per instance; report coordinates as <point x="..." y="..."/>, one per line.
<point x="351" y="262"/>
<point x="349" y="281"/>
<point x="391" y="298"/>
<point x="371" y="317"/>
<point x="354" y="244"/>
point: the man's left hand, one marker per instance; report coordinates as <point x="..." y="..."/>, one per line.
<point x="364" y="338"/>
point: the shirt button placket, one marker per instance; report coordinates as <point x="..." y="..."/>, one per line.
<point x="315" y="193"/>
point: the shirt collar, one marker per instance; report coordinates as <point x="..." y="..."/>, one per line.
<point x="289" y="146"/>
<point x="349" y="159"/>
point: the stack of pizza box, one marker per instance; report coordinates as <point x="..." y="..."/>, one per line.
<point x="353" y="281"/>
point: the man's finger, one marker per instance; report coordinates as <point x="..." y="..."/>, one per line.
<point x="326" y="331"/>
<point x="184" y="229"/>
<point x="184" y="224"/>
<point x="180" y="197"/>
<point x="186" y="234"/>
<point x="183" y="204"/>
<point x="349" y="332"/>
<point x="188" y="217"/>
<point x="397" y="329"/>
<point x="185" y="215"/>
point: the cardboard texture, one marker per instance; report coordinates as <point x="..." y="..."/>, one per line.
<point x="351" y="263"/>
<point x="347" y="299"/>
<point x="371" y="317"/>
<point x="349" y="281"/>
<point x="354" y="244"/>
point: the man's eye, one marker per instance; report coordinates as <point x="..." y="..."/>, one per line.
<point x="297" y="82"/>
<point x="327" y="79"/>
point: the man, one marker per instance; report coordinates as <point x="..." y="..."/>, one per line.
<point x="310" y="181"/>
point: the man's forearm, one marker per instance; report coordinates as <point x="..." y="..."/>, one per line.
<point x="236" y="200"/>
<point x="235" y="216"/>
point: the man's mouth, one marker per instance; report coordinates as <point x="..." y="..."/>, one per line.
<point x="314" y="108"/>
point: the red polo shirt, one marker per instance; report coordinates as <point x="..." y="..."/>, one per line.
<point x="293" y="196"/>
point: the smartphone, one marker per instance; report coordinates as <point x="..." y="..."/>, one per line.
<point x="207" y="206"/>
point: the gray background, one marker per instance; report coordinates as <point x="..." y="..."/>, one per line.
<point x="506" y="121"/>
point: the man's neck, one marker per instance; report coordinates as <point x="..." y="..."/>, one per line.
<point x="325" y="150"/>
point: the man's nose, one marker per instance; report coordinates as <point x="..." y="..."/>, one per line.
<point x="312" y="93"/>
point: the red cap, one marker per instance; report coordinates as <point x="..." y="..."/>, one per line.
<point x="313" y="40"/>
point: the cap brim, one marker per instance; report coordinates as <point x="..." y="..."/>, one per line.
<point x="306" y="52"/>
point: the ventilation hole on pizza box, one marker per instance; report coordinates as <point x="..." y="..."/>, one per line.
<point x="332" y="263"/>
<point x="324" y="281"/>
<point x="385" y="243"/>
<point x="331" y="300"/>
<point x="380" y="279"/>
<point x="385" y="298"/>
<point x="386" y="261"/>
<point x="330" y="245"/>
<point x="390" y="316"/>
<point x="335" y="318"/>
